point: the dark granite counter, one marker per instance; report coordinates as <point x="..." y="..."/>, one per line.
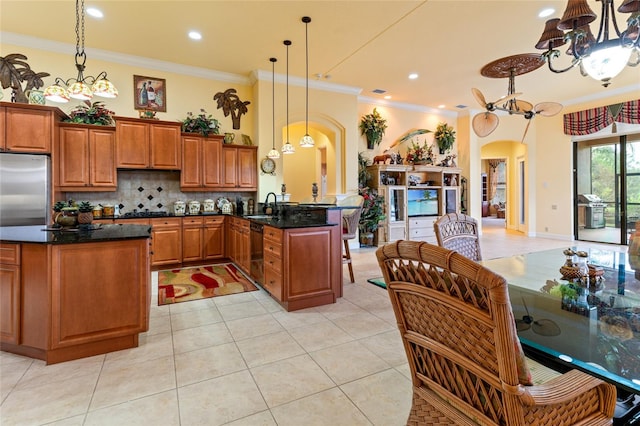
<point x="40" y="234"/>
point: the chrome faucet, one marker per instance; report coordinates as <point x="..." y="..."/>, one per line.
<point x="265" y="208"/>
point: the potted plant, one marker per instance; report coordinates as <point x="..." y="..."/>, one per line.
<point x="66" y="214"/>
<point x="201" y="123"/>
<point x="444" y="136"/>
<point x="372" y="126"/>
<point x="419" y="154"/>
<point x="372" y="214"/>
<point x="85" y="213"/>
<point x="96" y="113"/>
<point x="363" y="173"/>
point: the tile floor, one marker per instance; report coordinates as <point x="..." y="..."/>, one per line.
<point x="241" y="360"/>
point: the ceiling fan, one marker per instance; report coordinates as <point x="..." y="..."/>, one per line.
<point x="485" y="123"/>
<point x="543" y="327"/>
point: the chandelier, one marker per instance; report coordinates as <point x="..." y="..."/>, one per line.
<point x="599" y="57"/>
<point x="81" y="87"/>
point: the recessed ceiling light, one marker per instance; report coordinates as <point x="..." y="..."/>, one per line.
<point x="413" y="76"/>
<point x="388" y="97"/>
<point x="96" y="13"/>
<point x="194" y="35"/>
<point x="441" y="106"/>
<point x="546" y="12"/>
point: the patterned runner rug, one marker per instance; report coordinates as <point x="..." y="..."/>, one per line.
<point x="182" y="285"/>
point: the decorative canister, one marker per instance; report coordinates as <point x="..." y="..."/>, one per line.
<point x="108" y="210"/>
<point x="194" y="207"/>
<point x="97" y="212"/>
<point x="227" y="208"/>
<point x="179" y="208"/>
<point x="209" y="206"/>
<point x="35" y="97"/>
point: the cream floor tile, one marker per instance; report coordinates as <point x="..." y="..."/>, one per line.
<point x="220" y="400"/>
<point x="385" y="397"/>
<point x="247" y="328"/>
<point x="208" y="363"/>
<point x="341" y="308"/>
<point x="319" y="336"/>
<point x="405" y="370"/>
<point x="347" y="362"/>
<point x="49" y="402"/>
<point x="69" y="421"/>
<point x="40" y="373"/>
<point x="158" y="409"/>
<point x="291" y="320"/>
<point x="149" y="347"/>
<point x="330" y="408"/>
<point x="193" y="305"/>
<point x="9" y="358"/>
<point x="387" y="346"/>
<point x="269" y="348"/>
<point x="159" y="324"/>
<point x="270" y="304"/>
<point x="204" y="336"/>
<point x="362" y="325"/>
<point x="197" y="318"/>
<point x="10" y="374"/>
<point x="263" y="418"/>
<point x="241" y="310"/>
<point x="234" y="299"/>
<point x="120" y="383"/>
<point x="158" y="311"/>
<point x="290" y="379"/>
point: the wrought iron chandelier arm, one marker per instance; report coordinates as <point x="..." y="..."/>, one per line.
<point x="554" y="53"/>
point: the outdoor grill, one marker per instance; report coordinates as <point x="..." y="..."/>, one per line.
<point x="594" y="210"/>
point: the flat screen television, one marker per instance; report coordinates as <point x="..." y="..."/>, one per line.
<point x="422" y="202"/>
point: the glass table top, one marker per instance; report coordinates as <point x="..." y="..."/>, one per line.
<point x="591" y="325"/>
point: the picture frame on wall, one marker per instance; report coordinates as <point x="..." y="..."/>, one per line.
<point x="149" y="93"/>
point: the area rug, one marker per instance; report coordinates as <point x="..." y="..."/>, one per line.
<point x="378" y="281"/>
<point x="182" y="285"/>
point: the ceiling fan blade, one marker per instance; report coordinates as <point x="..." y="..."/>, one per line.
<point x="523" y="105"/>
<point x="484" y="123"/>
<point x="526" y="129"/>
<point x="546" y="327"/>
<point x="548" y="109"/>
<point x="506" y="98"/>
<point x="479" y="97"/>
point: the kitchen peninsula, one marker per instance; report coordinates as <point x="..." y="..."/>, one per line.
<point x="69" y="294"/>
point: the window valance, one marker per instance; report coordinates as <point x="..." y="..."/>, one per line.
<point x="592" y="120"/>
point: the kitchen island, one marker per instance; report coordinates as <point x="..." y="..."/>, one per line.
<point x="69" y="294"/>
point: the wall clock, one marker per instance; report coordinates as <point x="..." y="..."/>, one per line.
<point x="268" y="166"/>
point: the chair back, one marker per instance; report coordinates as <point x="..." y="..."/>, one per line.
<point x="459" y="232"/>
<point x="328" y="199"/>
<point x="459" y="334"/>
<point x="351" y="217"/>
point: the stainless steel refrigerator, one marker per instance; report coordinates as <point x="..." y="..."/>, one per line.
<point x="24" y="189"/>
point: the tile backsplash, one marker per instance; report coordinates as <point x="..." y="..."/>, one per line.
<point x="151" y="189"/>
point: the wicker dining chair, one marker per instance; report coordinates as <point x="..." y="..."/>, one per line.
<point x="466" y="361"/>
<point x="350" y="220"/>
<point x="459" y="232"/>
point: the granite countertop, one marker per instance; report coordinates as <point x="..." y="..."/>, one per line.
<point x="91" y="234"/>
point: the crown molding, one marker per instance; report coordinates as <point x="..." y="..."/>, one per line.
<point x="263" y="75"/>
<point x="408" y="107"/>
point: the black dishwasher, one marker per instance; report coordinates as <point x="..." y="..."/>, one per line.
<point x="257" y="257"/>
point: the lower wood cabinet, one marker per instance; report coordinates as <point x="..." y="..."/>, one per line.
<point x="214" y="238"/>
<point x="166" y="241"/>
<point x="10" y="293"/>
<point x="239" y="244"/>
<point x="272" y="252"/>
<point x="192" y="238"/>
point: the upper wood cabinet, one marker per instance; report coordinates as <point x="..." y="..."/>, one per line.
<point x="239" y="168"/>
<point x="28" y="128"/>
<point x="86" y="160"/>
<point x="201" y="157"/>
<point x="147" y="144"/>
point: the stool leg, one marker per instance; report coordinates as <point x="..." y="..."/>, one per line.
<point x="347" y="258"/>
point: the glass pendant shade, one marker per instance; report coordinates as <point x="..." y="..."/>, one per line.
<point x="306" y="141"/>
<point x="605" y="64"/>
<point x="56" y="93"/>
<point x="104" y="88"/>
<point x="80" y="90"/>
<point x="274" y="154"/>
<point x="287" y="148"/>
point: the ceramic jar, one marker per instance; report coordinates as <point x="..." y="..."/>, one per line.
<point x="179" y="208"/>
<point x="194" y="207"/>
<point x="97" y="212"/>
<point x="209" y="206"/>
<point x="108" y="210"/>
<point x="35" y="97"/>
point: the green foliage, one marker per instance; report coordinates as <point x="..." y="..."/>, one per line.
<point x="363" y="174"/>
<point x="59" y="205"/>
<point x="85" y="207"/>
<point x="201" y="123"/>
<point x="420" y="153"/>
<point x="373" y="127"/>
<point x="444" y="136"/>
<point x="97" y="114"/>
<point x="372" y="210"/>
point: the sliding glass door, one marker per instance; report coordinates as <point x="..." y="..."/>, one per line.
<point x="607" y="188"/>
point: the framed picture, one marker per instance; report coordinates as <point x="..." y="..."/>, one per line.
<point x="149" y="93"/>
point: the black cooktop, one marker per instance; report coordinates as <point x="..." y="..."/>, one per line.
<point x="145" y="213"/>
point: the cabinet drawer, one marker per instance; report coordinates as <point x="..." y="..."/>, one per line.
<point x="10" y="254"/>
<point x="166" y="223"/>
<point x="273" y="283"/>
<point x="272" y="262"/>
<point x="192" y="221"/>
<point x="421" y="223"/>
<point x="214" y="221"/>
<point x="417" y="233"/>
<point x="273" y="234"/>
<point x="272" y="248"/>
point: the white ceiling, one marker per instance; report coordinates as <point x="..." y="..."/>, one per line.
<point x="364" y="44"/>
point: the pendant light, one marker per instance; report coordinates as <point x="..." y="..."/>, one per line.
<point x="307" y="141"/>
<point x="274" y="154"/>
<point x="287" y="148"/>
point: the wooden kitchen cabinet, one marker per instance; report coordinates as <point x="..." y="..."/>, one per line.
<point x="26" y="128"/>
<point x="192" y="238"/>
<point x="147" y="144"/>
<point x="86" y="158"/>
<point x="166" y="241"/>
<point x="201" y="157"/>
<point x="10" y="293"/>
<point x="239" y="243"/>
<point x="214" y="241"/>
<point x="272" y="252"/>
<point x="239" y="168"/>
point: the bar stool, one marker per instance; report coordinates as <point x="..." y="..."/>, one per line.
<point x="350" y="219"/>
